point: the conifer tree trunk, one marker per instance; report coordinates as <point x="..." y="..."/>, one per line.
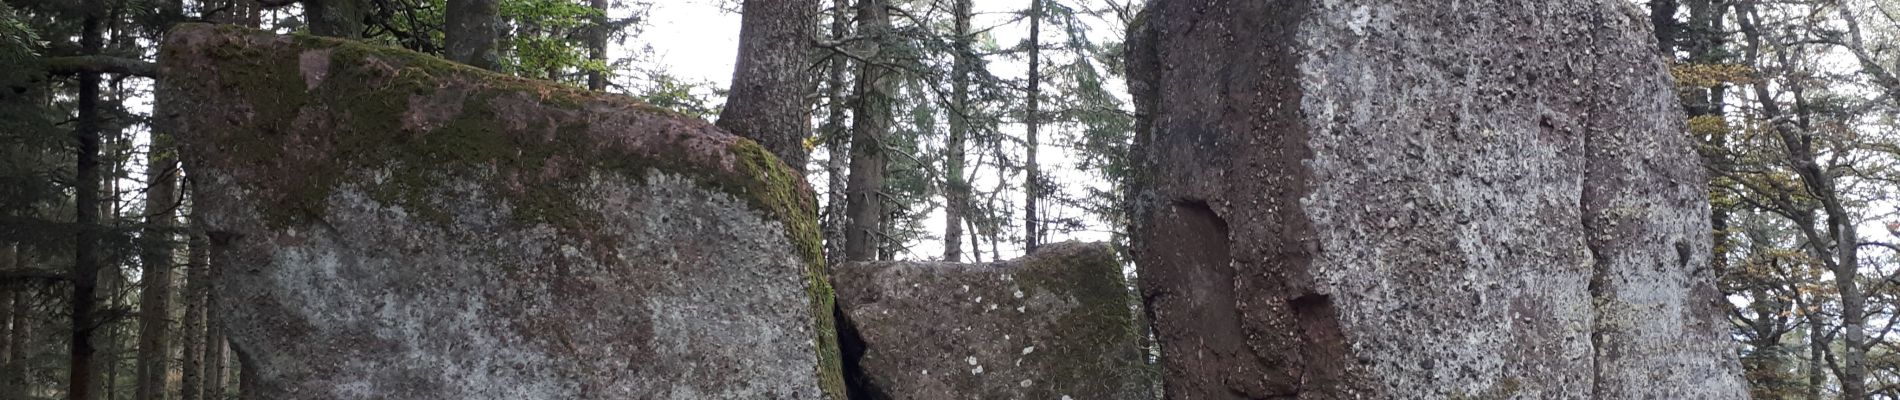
<point x="337" y="18"/>
<point x="770" y="79"/>
<point x="8" y="254"/>
<point x="957" y="195"/>
<point x="13" y="371"/>
<point x="156" y="257"/>
<point x="1032" y="185"/>
<point x="597" y="45"/>
<point x="864" y="237"/>
<point x="197" y="286"/>
<point x="470" y="30"/>
<point x="837" y="139"/>
<point x="82" y="375"/>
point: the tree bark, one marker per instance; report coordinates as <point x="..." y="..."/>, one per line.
<point x="1843" y="255"/>
<point x="837" y="139"/>
<point x="247" y="380"/>
<point x="864" y="237"/>
<point x="597" y="46"/>
<point x="81" y="378"/>
<point x="337" y="18"/>
<point x="957" y="194"/>
<point x="196" y="288"/>
<point x="217" y="358"/>
<point x="1817" y="348"/>
<point x="14" y="372"/>
<point x="1703" y="38"/>
<point x="8" y="254"/>
<point x="1032" y="184"/>
<point x="470" y="29"/>
<point x="770" y="79"/>
<point x="156" y="258"/>
<point x="1662" y="16"/>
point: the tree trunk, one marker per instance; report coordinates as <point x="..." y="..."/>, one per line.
<point x="1797" y="144"/>
<point x="470" y="29"/>
<point x="770" y="79"/>
<point x="217" y="360"/>
<point x="957" y="195"/>
<point x="864" y="237"/>
<point x="597" y="46"/>
<point x="837" y="139"/>
<point x="247" y="380"/>
<point x="14" y="372"/>
<point x="1853" y="304"/>
<point x="81" y="378"/>
<point x="1662" y="16"/>
<point x="156" y="257"/>
<point x="13" y="380"/>
<point x="196" y="288"/>
<point x="1032" y="185"/>
<point x="976" y="242"/>
<point x="338" y="18"/>
<point x="8" y="254"/>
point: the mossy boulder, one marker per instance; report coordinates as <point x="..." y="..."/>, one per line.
<point x="1057" y="324"/>
<point x="393" y="226"/>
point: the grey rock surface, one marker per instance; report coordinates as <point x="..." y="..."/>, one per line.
<point x="393" y="226"/>
<point x="1374" y="199"/>
<point x="1057" y="324"/>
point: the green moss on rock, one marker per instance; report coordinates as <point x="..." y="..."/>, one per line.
<point x="323" y="114"/>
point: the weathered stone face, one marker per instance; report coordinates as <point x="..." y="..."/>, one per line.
<point x="1375" y="199"/>
<point x="392" y="226"/>
<point x="1057" y="324"/>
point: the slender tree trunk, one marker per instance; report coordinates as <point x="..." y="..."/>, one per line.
<point x="217" y="361"/>
<point x="957" y="197"/>
<point x="995" y="223"/>
<point x="1797" y="145"/>
<point x="81" y="379"/>
<point x="1032" y="185"/>
<point x="837" y="139"/>
<point x="13" y="380"/>
<point x="771" y="79"/>
<point x="156" y="280"/>
<point x="247" y="379"/>
<point x="1817" y="370"/>
<point x="470" y="29"/>
<point x="337" y="18"/>
<point x="976" y="242"/>
<point x="1703" y="37"/>
<point x="597" y="45"/>
<point x="1853" y="305"/>
<point x="864" y="237"/>
<point x="197" y="286"/>
<point x="8" y="254"/>
<point x="14" y="372"/>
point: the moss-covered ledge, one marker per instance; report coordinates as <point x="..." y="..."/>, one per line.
<point x="304" y="116"/>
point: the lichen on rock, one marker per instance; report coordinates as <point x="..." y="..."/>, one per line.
<point x="1367" y="199"/>
<point x="1059" y="322"/>
<point x="398" y="226"/>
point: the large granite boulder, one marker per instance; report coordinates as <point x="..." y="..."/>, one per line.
<point x="393" y="226"/>
<point x="1057" y="324"/>
<point x="1389" y="199"/>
